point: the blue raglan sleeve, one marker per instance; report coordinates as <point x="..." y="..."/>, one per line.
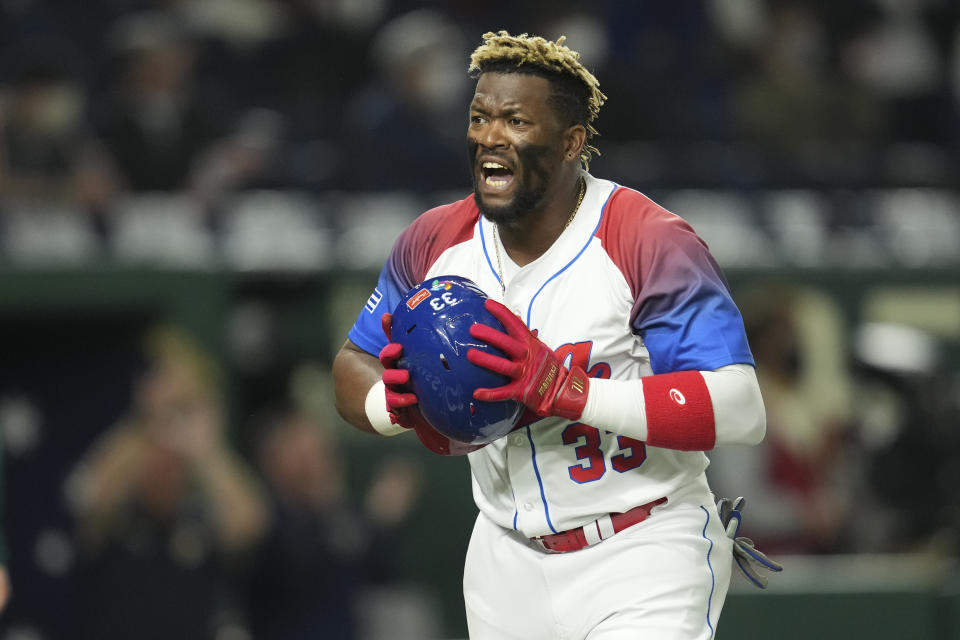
<point x="367" y="332"/>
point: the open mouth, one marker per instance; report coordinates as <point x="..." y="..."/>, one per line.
<point x="496" y="175"/>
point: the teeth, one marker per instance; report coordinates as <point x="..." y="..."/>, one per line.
<point x="493" y="165"/>
<point x="496" y="182"/>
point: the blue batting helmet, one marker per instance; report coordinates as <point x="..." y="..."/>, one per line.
<point x="432" y="323"/>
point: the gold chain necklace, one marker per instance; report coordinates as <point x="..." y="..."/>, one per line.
<point x="496" y="235"/>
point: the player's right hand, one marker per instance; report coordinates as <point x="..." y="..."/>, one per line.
<point x="402" y="403"/>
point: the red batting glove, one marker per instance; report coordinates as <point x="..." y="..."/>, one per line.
<point x="396" y="380"/>
<point x="538" y="378"/>
<point x="402" y="402"/>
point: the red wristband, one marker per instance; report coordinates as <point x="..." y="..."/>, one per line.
<point x="679" y="411"/>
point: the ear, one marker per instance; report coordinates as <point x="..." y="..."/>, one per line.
<point x="575" y="137"/>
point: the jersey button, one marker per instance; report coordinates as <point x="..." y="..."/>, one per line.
<point x="516" y="439"/>
<point x="527" y="506"/>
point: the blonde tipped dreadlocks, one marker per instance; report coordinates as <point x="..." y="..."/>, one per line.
<point x="552" y="57"/>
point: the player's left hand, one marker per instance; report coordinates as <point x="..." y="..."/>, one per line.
<point x="538" y="378"/>
<point x="750" y="560"/>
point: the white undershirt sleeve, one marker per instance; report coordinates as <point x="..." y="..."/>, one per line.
<point x="739" y="415"/>
<point x="737" y="404"/>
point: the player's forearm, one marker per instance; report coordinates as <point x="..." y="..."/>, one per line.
<point x="355" y="373"/>
<point x="689" y="411"/>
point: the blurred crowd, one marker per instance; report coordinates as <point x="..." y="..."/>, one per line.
<point x="179" y="526"/>
<point x="861" y="450"/>
<point x="105" y="108"/>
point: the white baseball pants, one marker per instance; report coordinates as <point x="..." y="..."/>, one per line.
<point x="665" y="578"/>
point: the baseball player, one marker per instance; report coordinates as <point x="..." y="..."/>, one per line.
<point x="622" y="341"/>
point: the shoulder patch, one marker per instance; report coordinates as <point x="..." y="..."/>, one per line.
<point x="373" y="300"/>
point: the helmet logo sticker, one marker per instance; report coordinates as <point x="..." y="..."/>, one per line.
<point x="417" y="298"/>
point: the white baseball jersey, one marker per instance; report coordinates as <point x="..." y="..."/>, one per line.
<point x="627" y="290"/>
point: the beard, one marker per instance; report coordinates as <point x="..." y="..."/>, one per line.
<point x="531" y="179"/>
